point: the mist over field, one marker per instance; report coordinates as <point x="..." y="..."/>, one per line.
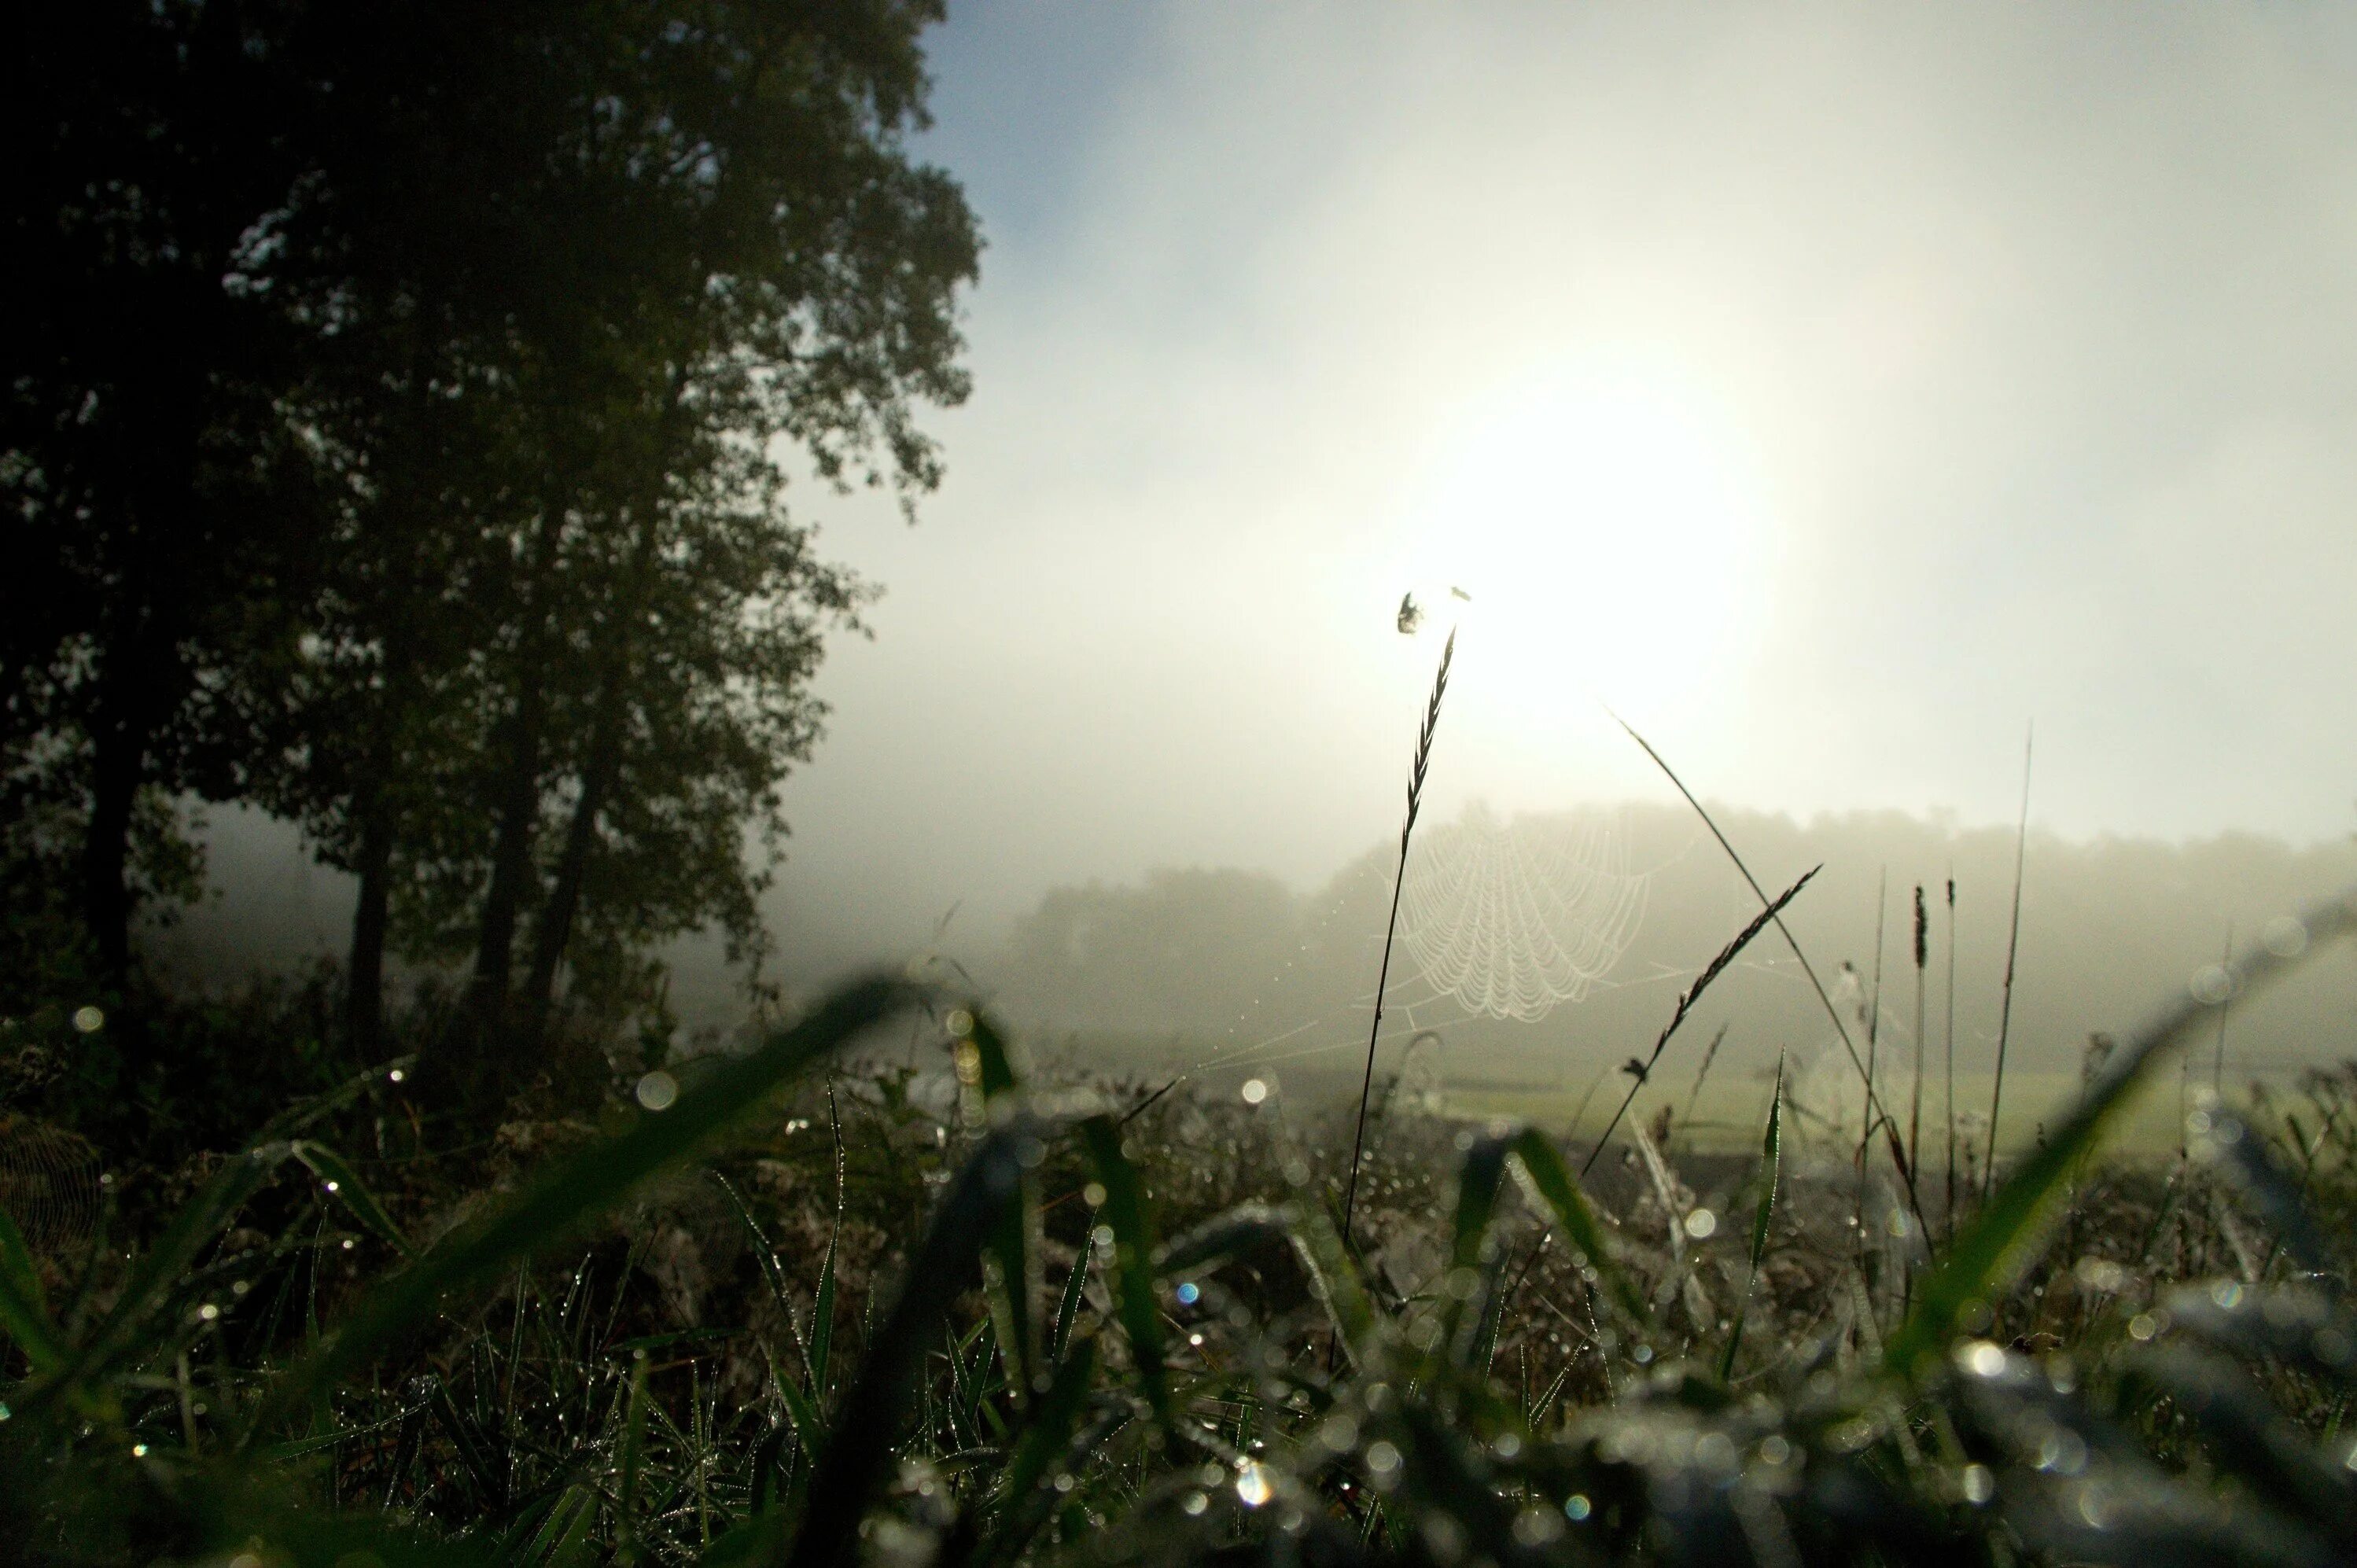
<point x="1233" y="972"/>
<point x="1178" y="784"/>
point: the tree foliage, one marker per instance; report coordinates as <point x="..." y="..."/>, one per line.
<point x="477" y="347"/>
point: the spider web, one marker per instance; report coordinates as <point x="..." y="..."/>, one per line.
<point x="1514" y="919"/>
<point x="48" y="1183"/>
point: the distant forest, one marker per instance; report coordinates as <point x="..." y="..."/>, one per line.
<point x="1194" y="962"/>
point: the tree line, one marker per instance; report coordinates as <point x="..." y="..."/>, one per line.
<point x="401" y="406"/>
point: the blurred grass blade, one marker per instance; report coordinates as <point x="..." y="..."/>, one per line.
<point x="1987" y="1251"/>
<point x="1549" y="1181"/>
<point x="2247" y="1437"/>
<point x="1772" y="1164"/>
<point x="997" y="1076"/>
<point x="1471" y="1283"/>
<point x="1124" y="1211"/>
<point x="23" y="1313"/>
<point x="330" y="1168"/>
<point x="1225" y="1236"/>
<point x="1335" y="1277"/>
<point x="861" y="1450"/>
<point x="2267" y="1189"/>
<point x="1478" y="1180"/>
<point x="1026" y="1495"/>
<point x="586" y="1185"/>
<point x="1011" y="1281"/>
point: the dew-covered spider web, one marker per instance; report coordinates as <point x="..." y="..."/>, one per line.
<point x="48" y="1183"/>
<point x="1512" y="919"/>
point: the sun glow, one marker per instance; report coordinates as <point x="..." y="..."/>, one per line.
<point x="1610" y="540"/>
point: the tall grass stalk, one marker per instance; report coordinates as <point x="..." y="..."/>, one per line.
<point x="1873" y="1048"/>
<point x="2012" y="951"/>
<point x="1391" y="928"/>
<point x="1825" y="998"/>
<point x="1641" y="1070"/>
<point x="1923" y="956"/>
<point x="1949" y="1051"/>
<point x="1710" y="1055"/>
<point x="2226" y="1005"/>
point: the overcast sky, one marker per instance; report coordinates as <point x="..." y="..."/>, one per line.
<point x="1833" y="392"/>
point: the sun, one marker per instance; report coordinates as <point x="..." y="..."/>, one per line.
<point x="1610" y="539"/>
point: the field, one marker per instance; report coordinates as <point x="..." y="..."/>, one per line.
<point x="773" y="1309"/>
<point x="1726" y="1115"/>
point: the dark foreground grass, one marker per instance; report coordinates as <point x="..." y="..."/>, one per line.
<point x="776" y="1323"/>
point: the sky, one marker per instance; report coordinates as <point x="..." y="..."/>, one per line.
<point x="1834" y="395"/>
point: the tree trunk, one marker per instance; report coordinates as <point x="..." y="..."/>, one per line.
<point x="510" y="865"/>
<point x="600" y="772"/>
<point x="118" y="751"/>
<point x="555" y="925"/>
<point x="364" y="973"/>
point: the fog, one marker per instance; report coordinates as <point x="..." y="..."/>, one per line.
<point x="2016" y="348"/>
<point x="1833" y="398"/>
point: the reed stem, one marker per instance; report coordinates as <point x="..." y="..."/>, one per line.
<point x="2012" y="951"/>
<point x="1390" y="927"/>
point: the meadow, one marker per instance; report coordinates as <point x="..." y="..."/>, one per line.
<point x="778" y="1307"/>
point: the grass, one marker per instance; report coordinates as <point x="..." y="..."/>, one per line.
<point x="1727" y="1113"/>
<point x="795" y="1318"/>
<point x="1096" y="1325"/>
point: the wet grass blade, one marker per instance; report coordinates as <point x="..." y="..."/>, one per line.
<point x="157" y="1277"/>
<point x="1987" y="1251"/>
<point x="344" y="1185"/>
<point x="1549" y="1180"/>
<point x="1011" y="1281"/>
<point x="1772" y="1164"/>
<point x="1125" y="1210"/>
<point x="588" y="1184"/>
<point x="1479" y="1177"/>
<point x="1076" y="1278"/>
<point x="1025" y="1494"/>
<point x="822" y="1335"/>
<point x="861" y="1450"/>
<point x="22" y="1311"/>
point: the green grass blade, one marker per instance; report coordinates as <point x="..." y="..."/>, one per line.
<point x="810" y="1434"/>
<point x="156" y="1278"/>
<point x="1335" y="1278"/>
<point x="588" y="1184"/>
<point x="822" y="1337"/>
<point x="1011" y="1282"/>
<point x="1772" y="1164"/>
<point x="1125" y="1210"/>
<point x="1076" y="1280"/>
<point x="1549" y="1181"/>
<point x="1987" y="1254"/>
<point x="1025" y="1496"/>
<point x="1469" y="1285"/>
<point x="860" y="1453"/>
<point x="342" y="1183"/>
<point x="23" y="1313"/>
<point x="634" y="1447"/>
<point x="773" y="1274"/>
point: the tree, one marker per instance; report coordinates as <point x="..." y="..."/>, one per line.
<point x="404" y="442"/>
<point x="157" y="518"/>
<point x="737" y="252"/>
